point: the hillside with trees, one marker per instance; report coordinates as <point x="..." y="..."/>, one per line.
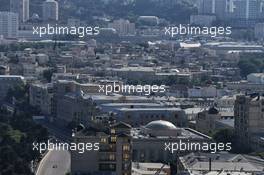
<point x="17" y="133"/>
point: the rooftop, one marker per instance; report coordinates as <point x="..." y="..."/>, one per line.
<point x="199" y="162"/>
<point x="160" y="125"/>
<point x="150" y="109"/>
<point x="186" y="133"/>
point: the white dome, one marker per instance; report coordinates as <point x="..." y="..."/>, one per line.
<point x="160" y="125"/>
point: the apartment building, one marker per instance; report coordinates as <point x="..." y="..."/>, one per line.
<point x="41" y="96"/>
<point x="249" y="121"/>
<point x="113" y="156"/>
<point x="205" y="121"/>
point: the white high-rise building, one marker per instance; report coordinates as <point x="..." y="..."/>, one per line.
<point x="246" y="9"/>
<point x="21" y="7"/>
<point x="8" y="24"/>
<point x="50" y="10"/>
<point x="123" y="27"/>
<point x="233" y="9"/>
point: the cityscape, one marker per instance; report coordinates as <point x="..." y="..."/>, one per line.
<point x="131" y="87"/>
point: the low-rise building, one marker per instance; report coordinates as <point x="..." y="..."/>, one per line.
<point x="140" y="168"/>
<point x="141" y="116"/>
<point x="259" y="31"/>
<point x="257" y="78"/>
<point x="149" y="141"/>
<point x="205" y="121"/>
<point x="202" y="20"/>
<point x="203" y="92"/>
<point x="245" y="87"/>
<point x="41" y="96"/>
<point x="4" y="70"/>
<point x="220" y="163"/>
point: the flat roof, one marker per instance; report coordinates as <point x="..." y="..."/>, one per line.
<point x="11" y="76"/>
<point x="150" y="109"/>
<point x="152" y="165"/>
<point x="130" y="104"/>
<point x="186" y="133"/>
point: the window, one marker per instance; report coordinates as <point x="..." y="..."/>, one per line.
<point x="112" y="157"/>
<point x="113" y="139"/>
<point x="112" y="131"/>
<point x="107" y="167"/>
<point x="126" y="166"/>
<point x="126" y="147"/>
<point x="126" y="156"/>
<point x="103" y="140"/>
<point x="112" y="166"/>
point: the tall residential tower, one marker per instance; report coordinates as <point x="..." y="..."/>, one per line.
<point x="21" y="7"/>
<point x="8" y="24"/>
<point x="50" y="10"/>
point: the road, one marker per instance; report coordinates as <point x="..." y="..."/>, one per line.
<point x="54" y="163"/>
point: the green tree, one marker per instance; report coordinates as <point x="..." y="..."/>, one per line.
<point x="247" y="67"/>
<point x="17" y="134"/>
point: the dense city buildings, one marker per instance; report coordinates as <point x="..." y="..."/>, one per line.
<point x="132" y="87"/>
<point x="123" y="27"/>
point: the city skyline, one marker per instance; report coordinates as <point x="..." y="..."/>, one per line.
<point x="132" y="87"/>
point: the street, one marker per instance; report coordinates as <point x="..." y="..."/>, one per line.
<point x="54" y="163"/>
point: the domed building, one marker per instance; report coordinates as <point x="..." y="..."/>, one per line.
<point x="160" y="125"/>
<point x="150" y="141"/>
<point x="161" y="128"/>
